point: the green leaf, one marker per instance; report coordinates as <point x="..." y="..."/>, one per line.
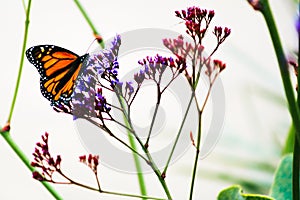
<point x="282" y="185"/>
<point x="235" y="192"/>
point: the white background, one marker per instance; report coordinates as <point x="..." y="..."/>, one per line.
<point x="250" y="115"/>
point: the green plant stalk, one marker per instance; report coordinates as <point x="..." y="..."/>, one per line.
<point x="289" y="142"/>
<point x="152" y="122"/>
<point x="179" y="133"/>
<point x="89" y="21"/>
<point x="289" y="90"/>
<point x="197" y="153"/>
<point x="283" y="66"/>
<point x="21" y="62"/>
<point x="159" y="93"/>
<point x="151" y="161"/>
<point x="131" y="138"/>
<point x="25" y="160"/>
<point x="6" y="134"/>
<point x="158" y="173"/>
<point x="137" y="162"/>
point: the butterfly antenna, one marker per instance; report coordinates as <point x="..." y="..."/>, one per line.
<point x="99" y="40"/>
<point x="90" y="45"/>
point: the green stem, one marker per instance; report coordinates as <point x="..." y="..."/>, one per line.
<point x="138" y="167"/>
<point x="179" y="133"/>
<point x="137" y="163"/>
<point x="283" y="66"/>
<point x="25" y="160"/>
<point x="197" y="154"/>
<point x="289" y="141"/>
<point x="158" y="174"/>
<point x="151" y="161"/>
<point x="89" y="21"/>
<point x="21" y="62"/>
<point x="6" y="135"/>
<point x="152" y="124"/>
<point x="289" y="90"/>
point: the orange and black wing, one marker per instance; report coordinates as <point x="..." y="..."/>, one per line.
<point x="58" y="68"/>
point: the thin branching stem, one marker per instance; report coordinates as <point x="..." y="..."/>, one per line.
<point x="150" y="162"/>
<point x="151" y="125"/>
<point x="100" y="190"/>
<point x="178" y="133"/>
<point x="98" y="181"/>
<point x="138" y="167"/>
<point x="200" y="112"/>
<point x="103" y="127"/>
<point x="197" y="152"/>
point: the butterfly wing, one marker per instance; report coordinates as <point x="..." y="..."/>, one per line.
<point x="58" y="68"/>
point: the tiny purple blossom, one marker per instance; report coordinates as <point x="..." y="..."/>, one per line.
<point x="100" y="66"/>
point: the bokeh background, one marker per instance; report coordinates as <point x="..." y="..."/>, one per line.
<point x="256" y="118"/>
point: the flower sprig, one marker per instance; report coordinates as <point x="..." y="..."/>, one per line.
<point x="100" y="77"/>
<point x="196" y="20"/>
<point x="49" y="165"/>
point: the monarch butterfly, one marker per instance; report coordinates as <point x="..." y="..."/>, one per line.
<point x="58" y="68"/>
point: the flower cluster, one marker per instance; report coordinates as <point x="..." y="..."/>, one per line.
<point x="154" y="67"/>
<point x="195" y="18"/>
<point x="92" y="161"/>
<point x="197" y="22"/>
<point x="214" y="68"/>
<point x="100" y="68"/>
<point x="106" y="62"/>
<point x="221" y="33"/>
<point x="180" y="48"/>
<point x="101" y="103"/>
<point x="44" y="160"/>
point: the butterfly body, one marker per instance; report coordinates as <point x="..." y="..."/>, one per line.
<point x="58" y="68"/>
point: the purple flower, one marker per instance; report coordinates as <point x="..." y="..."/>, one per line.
<point x="139" y="77"/>
<point x="129" y="88"/>
<point x="101" y="103"/>
<point x="154" y="67"/>
<point x="100" y="67"/>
